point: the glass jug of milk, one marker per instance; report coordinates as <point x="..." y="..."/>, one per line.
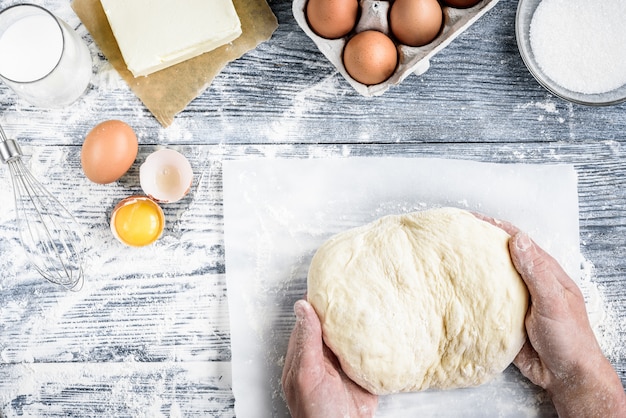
<point x="42" y="59"/>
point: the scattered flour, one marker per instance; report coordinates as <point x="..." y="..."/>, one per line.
<point x="603" y="316"/>
<point x="306" y="101"/>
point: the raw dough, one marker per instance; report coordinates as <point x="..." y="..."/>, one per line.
<point x="424" y="300"/>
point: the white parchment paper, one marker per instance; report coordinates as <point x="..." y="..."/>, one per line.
<point x="277" y="212"/>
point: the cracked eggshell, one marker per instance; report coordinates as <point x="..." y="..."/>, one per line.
<point x="166" y="176"/>
<point x="374" y="16"/>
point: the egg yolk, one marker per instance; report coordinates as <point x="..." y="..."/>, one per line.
<point x="139" y="223"/>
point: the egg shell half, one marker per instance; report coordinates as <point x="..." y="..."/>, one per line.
<point x="166" y="175"/>
<point x="108" y="151"/>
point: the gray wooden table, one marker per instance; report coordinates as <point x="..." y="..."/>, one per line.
<point x="149" y="333"/>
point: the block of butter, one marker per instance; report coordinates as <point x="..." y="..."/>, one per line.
<point x="155" y="34"/>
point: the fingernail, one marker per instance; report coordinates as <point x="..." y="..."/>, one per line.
<point x="298" y="309"/>
<point x="523" y="242"/>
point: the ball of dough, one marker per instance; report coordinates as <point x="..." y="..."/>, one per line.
<point x="424" y="300"/>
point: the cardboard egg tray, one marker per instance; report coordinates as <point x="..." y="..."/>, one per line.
<point x="374" y="15"/>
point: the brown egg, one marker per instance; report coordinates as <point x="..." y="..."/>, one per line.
<point x="108" y="151"/>
<point x="461" y="4"/>
<point x="415" y="22"/>
<point x="370" y="57"/>
<point x="332" y="19"/>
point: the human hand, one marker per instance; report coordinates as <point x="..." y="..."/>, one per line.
<point x="561" y="354"/>
<point x="313" y="382"/>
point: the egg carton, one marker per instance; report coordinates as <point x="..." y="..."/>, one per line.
<point x="411" y="60"/>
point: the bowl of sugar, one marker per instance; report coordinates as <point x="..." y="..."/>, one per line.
<point x="576" y="49"/>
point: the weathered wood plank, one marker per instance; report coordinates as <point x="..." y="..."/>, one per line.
<point x="155" y="320"/>
<point x="119" y="389"/>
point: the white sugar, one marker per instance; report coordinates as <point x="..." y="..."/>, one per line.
<point x="581" y="44"/>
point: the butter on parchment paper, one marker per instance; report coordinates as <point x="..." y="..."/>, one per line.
<point x="153" y="35"/>
<point x="168" y="91"/>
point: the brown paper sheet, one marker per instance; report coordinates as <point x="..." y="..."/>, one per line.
<point x="167" y="92"/>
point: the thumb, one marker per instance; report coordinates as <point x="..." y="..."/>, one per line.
<point x="538" y="269"/>
<point x="525" y="259"/>
<point x="545" y="278"/>
<point x="305" y="351"/>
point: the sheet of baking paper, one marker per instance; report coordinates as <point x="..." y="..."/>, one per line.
<point x="277" y="212"/>
<point x="167" y="92"/>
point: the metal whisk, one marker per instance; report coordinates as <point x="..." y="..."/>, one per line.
<point x="50" y="235"/>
